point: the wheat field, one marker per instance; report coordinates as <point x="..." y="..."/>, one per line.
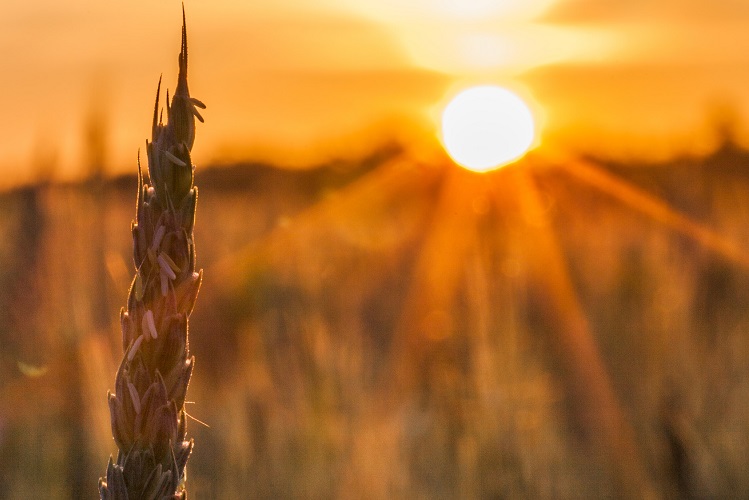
<point x="382" y="329"/>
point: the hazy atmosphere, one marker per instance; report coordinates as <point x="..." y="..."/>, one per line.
<point x="463" y="249"/>
<point x="297" y="82"/>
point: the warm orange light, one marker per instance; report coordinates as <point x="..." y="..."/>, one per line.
<point x="486" y="127"/>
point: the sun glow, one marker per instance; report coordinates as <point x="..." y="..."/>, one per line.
<point x="486" y="127"/>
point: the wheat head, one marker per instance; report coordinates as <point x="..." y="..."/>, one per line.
<point x="148" y="405"/>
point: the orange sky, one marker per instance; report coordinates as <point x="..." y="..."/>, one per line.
<point x="298" y="81"/>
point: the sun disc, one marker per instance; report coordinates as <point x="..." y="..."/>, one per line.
<point x="486" y="127"/>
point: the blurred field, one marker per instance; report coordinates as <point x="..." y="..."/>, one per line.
<point x="383" y="330"/>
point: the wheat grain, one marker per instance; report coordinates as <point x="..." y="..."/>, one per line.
<point x="147" y="407"/>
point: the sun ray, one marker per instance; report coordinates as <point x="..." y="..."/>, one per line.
<point x="586" y="377"/>
<point x="445" y="249"/>
<point x="657" y="209"/>
<point x="426" y="317"/>
<point x="372" y="191"/>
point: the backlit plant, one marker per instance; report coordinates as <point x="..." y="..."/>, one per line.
<point x="148" y="405"/>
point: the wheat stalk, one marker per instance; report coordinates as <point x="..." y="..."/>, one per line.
<point x="147" y="408"/>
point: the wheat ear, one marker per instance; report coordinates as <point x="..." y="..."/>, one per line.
<point x="148" y="406"/>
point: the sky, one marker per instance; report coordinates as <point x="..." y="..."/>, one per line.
<point x="297" y="82"/>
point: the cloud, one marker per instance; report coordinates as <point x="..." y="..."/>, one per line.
<point x="650" y="109"/>
<point x="646" y="11"/>
<point x="671" y="32"/>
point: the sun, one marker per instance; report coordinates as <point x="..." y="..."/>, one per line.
<point x="487" y="127"/>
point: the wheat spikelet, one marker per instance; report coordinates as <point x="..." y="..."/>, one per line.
<point x="147" y="407"/>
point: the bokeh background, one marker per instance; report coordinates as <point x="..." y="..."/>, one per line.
<point x="376" y="322"/>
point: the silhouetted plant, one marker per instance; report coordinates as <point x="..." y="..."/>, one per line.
<point x="147" y="408"/>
